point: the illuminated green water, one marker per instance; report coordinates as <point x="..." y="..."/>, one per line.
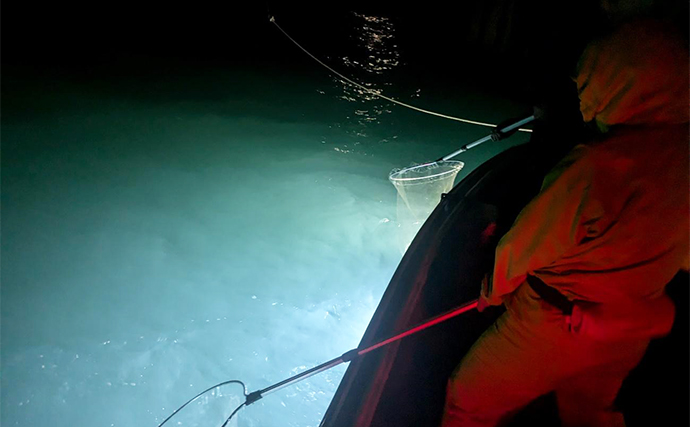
<point x="162" y="234"/>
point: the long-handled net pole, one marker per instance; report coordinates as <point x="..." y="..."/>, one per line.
<point x="345" y="357"/>
<point x="494" y="136"/>
<point x="354" y="353"/>
<point x="500" y="133"/>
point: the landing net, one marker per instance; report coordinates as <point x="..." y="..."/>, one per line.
<point x="419" y="191"/>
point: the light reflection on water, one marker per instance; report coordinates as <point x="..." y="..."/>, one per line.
<point x="375" y="55"/>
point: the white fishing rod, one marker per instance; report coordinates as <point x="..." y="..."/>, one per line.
<point x="501" y="131"/>
<point x="377" y="93"/>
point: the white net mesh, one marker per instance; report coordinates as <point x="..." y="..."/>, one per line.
<point x="419" y="191"/>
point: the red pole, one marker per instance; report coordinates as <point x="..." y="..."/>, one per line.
<point x="429" y="323"/>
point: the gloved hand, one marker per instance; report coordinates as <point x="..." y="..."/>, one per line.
<point x="483" y="302"/>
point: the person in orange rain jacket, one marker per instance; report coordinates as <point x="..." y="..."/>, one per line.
<point x="583" y="269"/>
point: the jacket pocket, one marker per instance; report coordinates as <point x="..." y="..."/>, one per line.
<point x="609" y="322"/>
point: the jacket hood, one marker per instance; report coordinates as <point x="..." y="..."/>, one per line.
<point x="636" y="76"/>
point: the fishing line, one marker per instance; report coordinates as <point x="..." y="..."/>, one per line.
<point x="272" y="19"/>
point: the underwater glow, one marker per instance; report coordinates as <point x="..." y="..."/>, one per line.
<point x="159" y="240"/>
<point x="147" y="262"/>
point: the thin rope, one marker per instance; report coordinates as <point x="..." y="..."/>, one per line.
<point x="379" y="94"/>
<point x="233" y="414"/>
<point x="244" y="389"/>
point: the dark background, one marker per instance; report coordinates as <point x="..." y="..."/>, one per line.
<point x="525" y="49"/>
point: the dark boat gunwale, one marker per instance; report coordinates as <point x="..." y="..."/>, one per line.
<point x="404" y="383"/>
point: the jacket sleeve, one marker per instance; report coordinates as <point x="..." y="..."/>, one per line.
<point x="545" y="229"/>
